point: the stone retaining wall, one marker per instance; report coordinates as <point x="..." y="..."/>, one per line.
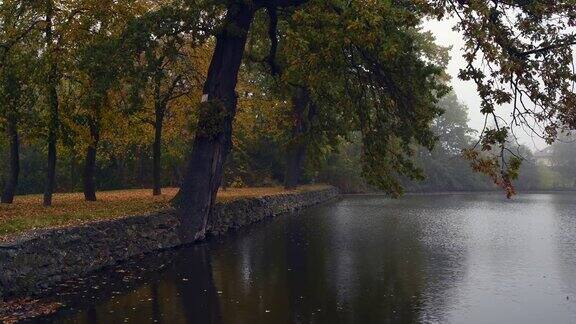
<point x="36" y="260"/>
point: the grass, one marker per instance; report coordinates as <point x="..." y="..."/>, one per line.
<point x="27" y="212"/>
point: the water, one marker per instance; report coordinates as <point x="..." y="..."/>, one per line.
<point x="462" y="258"/>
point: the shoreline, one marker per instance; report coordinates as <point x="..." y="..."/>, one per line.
<point x="34" y="261"/>
<point x="462" y="192"/>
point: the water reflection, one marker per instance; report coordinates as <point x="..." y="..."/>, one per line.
<point x="565" y="244"/>
<point x="172" y="287"/>
<point x="437" y="258"/>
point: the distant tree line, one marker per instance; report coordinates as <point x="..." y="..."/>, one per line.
<point x="444" y="168"/>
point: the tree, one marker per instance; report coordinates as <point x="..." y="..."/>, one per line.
<point x="166" y="64"/>
<point x="10" y="97"/>
<point x="361" y="83"/>
<point x="303" y="113"/>
<point x="483" y="27"/>
<point x="563" y="161"/>
<point x="52" y="96"/>
<point x="444" y="168"/>
<point x="101" y="62"/>
<point x="270" y="67"/>
<point x="18" y="21"/>
<point x="213" y="138"/>
<point x="518" y="53"/>
<point x="260" y="125"/>
<point x="452" y="126"/>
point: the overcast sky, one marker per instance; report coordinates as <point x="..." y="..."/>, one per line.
<point x="466" y="90"/>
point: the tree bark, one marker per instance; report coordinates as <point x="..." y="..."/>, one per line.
<point x="296" y="154"/>
<point x="213" y="139"/>
<point x="157" y="152"/>
<point x="12" y="183"/>
<point x="53" y="109"/>
<point x="90" y="162"/>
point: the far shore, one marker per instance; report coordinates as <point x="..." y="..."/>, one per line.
<point x="461" y="192"/>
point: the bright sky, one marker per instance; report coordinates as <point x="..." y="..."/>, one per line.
<point x="466" y="90"/>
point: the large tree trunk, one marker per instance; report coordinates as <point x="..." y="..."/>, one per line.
<point x="12" y="183"/>
<point x="90" y="163"/>
<point x="213" y="139"/>
<point x="296" y="154"/>
<point x="157" y="152"/>
<point x="53" y="111"/>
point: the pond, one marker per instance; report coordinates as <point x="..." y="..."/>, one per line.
<point x="441" y="258"/>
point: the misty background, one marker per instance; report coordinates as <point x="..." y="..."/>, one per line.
<point x="446" y="36"/>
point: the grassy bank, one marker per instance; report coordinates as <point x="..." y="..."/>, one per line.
<point x="27" y="212"/>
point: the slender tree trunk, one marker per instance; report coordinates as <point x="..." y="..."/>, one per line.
<point x="121" y="169"/>
<point x="157" y="152"/>
<point x="53" y="110"/>
<point x="12" y="183"/>
<point x="296" y="154"/>
<point x="74" y="169"/>
<point x="140" y="167"/>
<point x="52" y="154"/>
<point x="90" y="162"/>
<point x="213" y="139"/>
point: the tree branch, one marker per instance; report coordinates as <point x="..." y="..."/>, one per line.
<point x="551" y="47"/>
<point x="273" y="35"/>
